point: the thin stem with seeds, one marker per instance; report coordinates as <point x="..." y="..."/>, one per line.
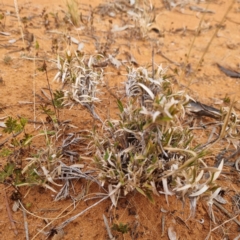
<point x="50" y="90"/>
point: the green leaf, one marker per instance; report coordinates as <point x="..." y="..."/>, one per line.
<point x="11" y="125"/>
<point x="120" y="105"/>
<point x="15" y="142"/>
<point x="149" y="196"/>
<point x="48" y="132"/>
<point x="110" y="124"/>
<point x="7" y="171"/>
<point x="106" y="156"/>
<point x="141" y="191"/>
<point x="27" y="139"/>
<point x="23" y="122"/>
<point x="47" y="111"/>
<point x="36" y="45"/>
<point x="58" y="99"/>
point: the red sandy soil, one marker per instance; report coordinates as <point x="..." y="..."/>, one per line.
<point x="205" y="83"/>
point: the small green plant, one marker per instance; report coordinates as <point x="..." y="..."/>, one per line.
<point x="11" y="173"/>
<point x="51" y="115"/>
<point x="7" y="60"/>
<point x="121" y="227"/>
<point x="226" y="99"/>
<point x="5" y="152"/>
<point x="42" y="166"/>
<point x="7" y="171"/>
<point x="58" y="99"/>
<point x="15" y="127"/>
<point x="37" y="46"/>
<point x="55" y="100"/>
<point x="28" y="205"/>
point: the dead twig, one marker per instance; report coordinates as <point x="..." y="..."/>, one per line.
<point x="168" y="59"/>
<point x="236" y="153"/>
<point x="226" y="212"/>
<point x="111" y="92"/>
<point x="228" y="72"/>
<point x="25" y="224"/>
<point x="10" y="215"/>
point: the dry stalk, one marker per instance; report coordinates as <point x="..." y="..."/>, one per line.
<point x="25" y="225"/>
<point x="233" y="218"/>
<point x="50" y="90"/>
<point x="19" y="21"/>
<point x="34" y="89"/>
<point x="215" y="33"/>
<point x="224" y="127"/>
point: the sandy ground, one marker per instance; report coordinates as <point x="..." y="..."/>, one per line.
<point x="171" y="36"/>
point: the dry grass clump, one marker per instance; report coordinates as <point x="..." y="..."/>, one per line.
<point x="137" y="19"/>
<point x="73" y="12"/>
<point x="143" y="15"/>
<point x="43" y="168"/>
<point x="80" y="80"/>
<point x="150" y="149"/>
<point x="47" y="167"/>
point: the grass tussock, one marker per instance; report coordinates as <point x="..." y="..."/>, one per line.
<point x="150" y="148"/>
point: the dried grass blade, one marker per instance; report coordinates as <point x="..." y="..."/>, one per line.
<point x="108" y="228"/>
<point x="150" y="93"/>
<point x="199" y="192"/>
<point x="25" y="224"/>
